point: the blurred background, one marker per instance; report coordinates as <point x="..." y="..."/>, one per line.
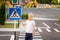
<point x="34" y="3"/>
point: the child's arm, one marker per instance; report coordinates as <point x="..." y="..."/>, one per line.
<point x="23" y="23"/>
<point x="33" y="30"/>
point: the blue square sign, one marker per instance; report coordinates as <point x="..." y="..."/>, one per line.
<point x="14" y="13"/>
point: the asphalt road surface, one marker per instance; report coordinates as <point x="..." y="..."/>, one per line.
<point x="43" y="32"/>
<point x="43" y="12"/>
<point x="45" y="29"/>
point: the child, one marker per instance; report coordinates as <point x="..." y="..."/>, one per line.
<point x="30" y="27"/>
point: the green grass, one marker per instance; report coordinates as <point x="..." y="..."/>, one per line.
<point x="8" y="25"/>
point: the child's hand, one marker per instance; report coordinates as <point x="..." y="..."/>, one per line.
<point x="20" y="20"/>
<point x="32" y="34"/>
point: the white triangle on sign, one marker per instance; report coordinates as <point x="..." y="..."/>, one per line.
<point x="14" y="14"/>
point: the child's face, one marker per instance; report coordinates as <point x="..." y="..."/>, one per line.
<point x="30" y="16"/>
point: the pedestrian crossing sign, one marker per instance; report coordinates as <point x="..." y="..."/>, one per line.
<point x="14" y="13"/>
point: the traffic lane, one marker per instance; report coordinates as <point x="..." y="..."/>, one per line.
<point x="8" y="38"/>
<point x="41" y="11"/>
<point x="8" y="35"/>
<point x="4" y="37"/>
<point x="50" y="35"/>
<point x="7" y="32"/>
<point x="39" y="23"/>
<point x="52" y="24"/>
<point x="53" y="35"/>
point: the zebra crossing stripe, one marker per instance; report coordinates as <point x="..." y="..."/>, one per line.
<point x="12" y="37"/>
<point x="22" y="33"/>
<point x="48" y="30"/>
<point x="39" y="29"/>
<point x="36" y="35"/>
<point x="36" y="32"/>
<point x="46" y="25"/>
<point x="56" y="30"/>
<point x="33" y="39"/>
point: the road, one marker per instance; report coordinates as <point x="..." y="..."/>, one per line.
<point x="45" y="29"/>
<point x="43" y="12"/>
<point x="44" y="32"/>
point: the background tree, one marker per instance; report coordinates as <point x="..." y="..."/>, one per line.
<point x="44" y="1"/>
<point x="47" y="1"/>
<point x="2" y="14"/>
<point x="54" y="2"/>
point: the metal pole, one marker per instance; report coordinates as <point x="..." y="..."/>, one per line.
<point x="15" y="35"/>
<point x="14" y="28"/>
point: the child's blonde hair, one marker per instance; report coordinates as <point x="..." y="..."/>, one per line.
<point x="30" y="14"/>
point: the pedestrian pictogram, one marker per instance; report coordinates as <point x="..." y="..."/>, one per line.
<point x="14" y="13"/>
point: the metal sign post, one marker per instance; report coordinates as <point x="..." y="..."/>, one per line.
<point x="15" y="29"/>
<point x="15" y="14"/>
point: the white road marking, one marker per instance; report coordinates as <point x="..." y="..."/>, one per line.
<point x="39" y="29"/>
<point x="48" y="30"/>
<point x="36" y="18"/>
<point x="11" y="22"/>
<point x="37" y="36"/>
<point x="36" y="32"/>
<point x="12" y="37"/>
<point x="22" y="34"/>
<point x="33" y="39"/>
<point x="17" y="29"/>
<point x="57" y="24"/>
<point x="56" y="30"/>
<point x="9" y="29"/>
<point x="33" y="36"/>
<point x="46" y="25"/>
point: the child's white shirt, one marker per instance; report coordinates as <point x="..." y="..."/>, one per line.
<point x="29" y="26"/>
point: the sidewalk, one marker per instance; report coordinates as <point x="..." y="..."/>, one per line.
<point x="47" y="6"/>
